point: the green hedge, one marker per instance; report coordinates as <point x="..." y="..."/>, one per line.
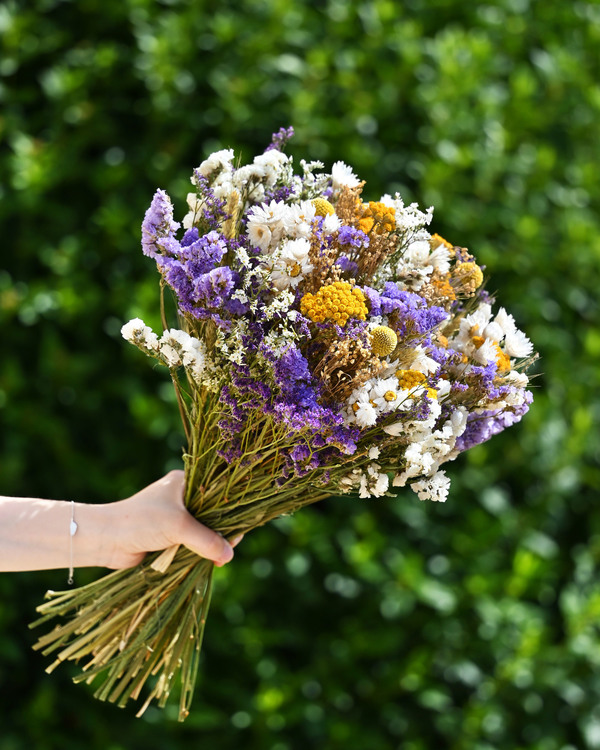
<point x="384" y="624"/>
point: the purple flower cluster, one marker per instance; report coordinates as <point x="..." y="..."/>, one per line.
<point x="483" y="426"/>
<point x="414" y="315"/>
<point x="192" y="267"/>
<point x="213" y="208"/>
<point x="351" y="237"/>
<point x="280" y="139"/>
<point x="317" y="433"/>
<point x="158" y="227"/>
<point x="347" y="266"/>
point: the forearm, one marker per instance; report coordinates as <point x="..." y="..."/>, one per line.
<point x="35" y="534"/>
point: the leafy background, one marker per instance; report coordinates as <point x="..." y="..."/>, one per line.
<point x="385" y="624"/>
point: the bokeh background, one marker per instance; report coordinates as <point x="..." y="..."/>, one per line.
<point x="384" y="624"/>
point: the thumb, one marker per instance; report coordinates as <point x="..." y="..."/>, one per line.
<point x="204" y="542"/>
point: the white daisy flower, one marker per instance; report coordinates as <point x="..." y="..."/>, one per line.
<point x="385" y="394"/>
<point x="259" y="235"/>
<point x="331" y="224"/>
<point x="343" y="176"/>
<point x="516" y="344"/>
<point x="505" y="321"/>
<point x="422" y="362"/>
<point x="485" y="353"/>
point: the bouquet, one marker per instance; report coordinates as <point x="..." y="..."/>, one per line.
<point x="325" y="345"/>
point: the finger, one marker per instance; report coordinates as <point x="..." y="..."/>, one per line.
<point x="174" y="481"/>
<point x="205" y="542"/>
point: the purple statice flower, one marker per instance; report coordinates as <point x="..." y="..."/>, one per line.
<point x="416" y="317"/>
<point x="278" y="193"/>
<point x="300" y="453"/>
<point x="483" y="426"/>
<point x="280" y="139"/>
<point x="158" y="225"/>
<point x="291" y="366"/>
<point x="373" y="299"/>
<point x="213" y="208"/>
<point x="346" y="265"/>
<point x="351" y="237"/>
<point x="230" y="453"/>
<point x="190" y="236"/>
<point x="203" y="255"/>
<point x="484" y="297"/>
<point x="177" y="278"/>
<point x="213" y="288"/>
<point x="483" y="378"/>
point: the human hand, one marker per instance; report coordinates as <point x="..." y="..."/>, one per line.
<point x="156" y="518"/>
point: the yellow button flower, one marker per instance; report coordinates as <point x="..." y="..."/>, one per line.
<point x="383" y="341"/>
<point x="336" y="302"/>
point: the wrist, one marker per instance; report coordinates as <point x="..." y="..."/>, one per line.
<point x="95" y="540"/>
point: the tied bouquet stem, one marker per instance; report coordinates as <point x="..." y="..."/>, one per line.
<point x="325" y="346"/>
<point x="149" y="622"/>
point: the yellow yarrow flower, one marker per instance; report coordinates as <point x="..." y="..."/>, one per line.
<point x="336" y="302"/>
<point x="323" y="207"/>
<point x="409" y="379"/>
<point x="378" y="217"/>
<point x="383" y="341"/>
<point x="436" y="240"/>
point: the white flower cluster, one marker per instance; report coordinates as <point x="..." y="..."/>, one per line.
<point x="499" y="330"/>
<point x="175" y="348"/>
<point x="427" y="448"/>
<point x="384" y="394"/>
<point x="370" y="482"/>
<point x="141" y="335"/>
<point x="433" y="488"/>
<point x="252" y="180"/>
<point x="408" y="218"/>
<point x="419" y="261"/>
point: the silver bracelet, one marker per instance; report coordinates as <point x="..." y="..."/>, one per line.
<point x="72" y="532"/>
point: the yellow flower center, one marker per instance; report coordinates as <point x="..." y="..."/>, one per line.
<point x="502" y="360"/>
<point x="336" y="302"/>
<point x="295" y="270"/>
<point x="383" y="341"/>
<point x="390" y="396"/>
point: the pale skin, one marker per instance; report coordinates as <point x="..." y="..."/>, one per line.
<point x="34" y="533"/>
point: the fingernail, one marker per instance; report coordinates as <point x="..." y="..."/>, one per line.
<point x="227" y="554"/>
<point x="236" y="540"/>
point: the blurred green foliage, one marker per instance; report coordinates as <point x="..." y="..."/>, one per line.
<point x="390" y="624"/>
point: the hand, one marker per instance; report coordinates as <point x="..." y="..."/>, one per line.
<point x="156" y="518"/>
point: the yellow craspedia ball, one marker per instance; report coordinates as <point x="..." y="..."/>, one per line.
<point x="468" y="277"/>
<point x="336" y="302"/>
<point x="383" y="341"/>
<point x="323" y="207"/>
